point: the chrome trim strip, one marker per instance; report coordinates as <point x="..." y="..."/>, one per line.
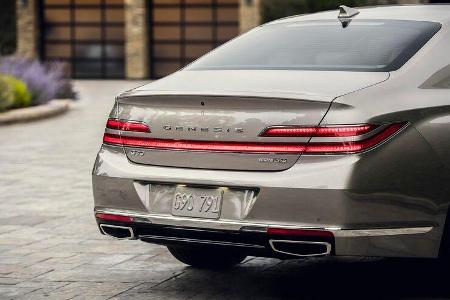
<point x="197" y="241"/>
<point x="131" y="237"/>
<point x="327" y="252"/>
<point x="383" y="232"/>
<point x="237" y="225"/>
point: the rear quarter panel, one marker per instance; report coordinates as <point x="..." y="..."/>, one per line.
<point x="415" y="170"/>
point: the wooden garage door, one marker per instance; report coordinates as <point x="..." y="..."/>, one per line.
<point x="86" y="34"/>
<point x="183" y="30"/>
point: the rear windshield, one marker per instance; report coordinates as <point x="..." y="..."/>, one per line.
<point x="365" y="45"/>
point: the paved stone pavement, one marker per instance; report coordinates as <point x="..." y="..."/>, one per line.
<point x="50" y="247"/>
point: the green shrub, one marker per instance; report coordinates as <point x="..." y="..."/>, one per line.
<point x="22" y="97"/>
<point x="6" y="93"/>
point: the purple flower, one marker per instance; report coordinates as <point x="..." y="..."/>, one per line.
<point x="44" y="81"/>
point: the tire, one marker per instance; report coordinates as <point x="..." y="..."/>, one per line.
<point x="207" y="257"/>
<point x="444" y="250"/>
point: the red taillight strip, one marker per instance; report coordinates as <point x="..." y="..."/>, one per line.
<point x="112" y="139"/>
<point x="127" y="125"/>
<point x="300" y="232"/>
<point x="287" y="148"/>
<point x="334" y="131"/>
<point x="112" y="217"/>
<point x="204" y="145"/>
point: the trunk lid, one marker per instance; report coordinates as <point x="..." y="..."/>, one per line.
<point x="232" y="106"/>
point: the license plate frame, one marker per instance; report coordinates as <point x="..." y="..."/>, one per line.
<point x="197" y="202"/>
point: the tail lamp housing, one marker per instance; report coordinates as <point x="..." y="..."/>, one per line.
<point x="127" y="125"/>
<point x="330" y="131"/>
<point x="339" y="139"/>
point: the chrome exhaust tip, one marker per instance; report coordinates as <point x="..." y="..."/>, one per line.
<point x="118" y="232"/>
<point x="300" y="248"/>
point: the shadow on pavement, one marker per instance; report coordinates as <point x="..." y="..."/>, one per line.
<point x="323" y="278"/>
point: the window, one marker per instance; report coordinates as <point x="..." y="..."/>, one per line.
<point x="365" y="45"/>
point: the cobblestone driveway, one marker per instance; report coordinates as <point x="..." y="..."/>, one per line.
<point x="50" y="247"/>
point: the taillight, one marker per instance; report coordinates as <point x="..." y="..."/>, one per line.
<point x="324" y="140"/>
<point x="127" y="125"/>
<point x="355" y="146"/>
<point x="204" y="145"/>
<point x="371" y="137"/>
<point x="333" y="131"/>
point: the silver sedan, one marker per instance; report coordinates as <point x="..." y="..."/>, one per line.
<point x="321" y="134"/>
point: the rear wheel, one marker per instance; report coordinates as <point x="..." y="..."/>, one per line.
<point x="444" y="251"/>
<point x="207" y="257"/>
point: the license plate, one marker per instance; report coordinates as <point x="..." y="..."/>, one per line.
<point x="197" y="202"/>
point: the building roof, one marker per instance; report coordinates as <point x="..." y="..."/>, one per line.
<point x="435" y="13"/>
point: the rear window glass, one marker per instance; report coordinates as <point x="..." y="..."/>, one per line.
<point x="365" y="45"/>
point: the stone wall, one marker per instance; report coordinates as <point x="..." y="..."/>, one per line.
<point x="136" y="39"/>
<point x="249" y="14"/>
<point x="27" y="28"/>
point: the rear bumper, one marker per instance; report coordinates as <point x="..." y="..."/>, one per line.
<point x="370" y="211"/>
<point x="256" y="239"/>
<point x="252" y="241"/>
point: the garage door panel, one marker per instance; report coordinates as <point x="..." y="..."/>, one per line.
<point x="163" y="68"/>
<point x="183" y="30"/>
<point x="198" y="33"/>
<point x="166" y="33"/>
<point x="57" y="51"/>
<point x="196" y="50"/>
<point x="56" y="2"/>
<point x="53" y="15"/>
<point x="115" y="15"/>
<point x="114" y="51"/>
<point x="88" y="15"/>
<point x="88" y="69"/>
<point x="115" y="33"/>
<point x="57" y="33"/>
<point x="199" y="14"/>
<point x="167" y="51"/>
<point x="86" y="34"/>
<point x="227" y="15"/>
<point x="208" y="2"/>
<point x="164" y="14"/>
<point x="225" y="33"/>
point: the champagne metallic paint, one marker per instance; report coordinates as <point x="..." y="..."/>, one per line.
<point x="390" y="201"/>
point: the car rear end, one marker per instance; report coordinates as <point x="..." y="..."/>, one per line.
<point x="258" y="160"/>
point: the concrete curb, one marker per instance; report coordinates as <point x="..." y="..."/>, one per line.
<point x="52" y="108"/>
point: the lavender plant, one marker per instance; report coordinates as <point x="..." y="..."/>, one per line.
<point x="44" y="81"/>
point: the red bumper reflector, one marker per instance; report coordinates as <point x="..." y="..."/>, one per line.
<point x="127" y="125"/>
<point x="112" y="217"/>
<point x="252" y="147"/>
<point x="300" y="232"/>
<point x="335" y="131"/>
